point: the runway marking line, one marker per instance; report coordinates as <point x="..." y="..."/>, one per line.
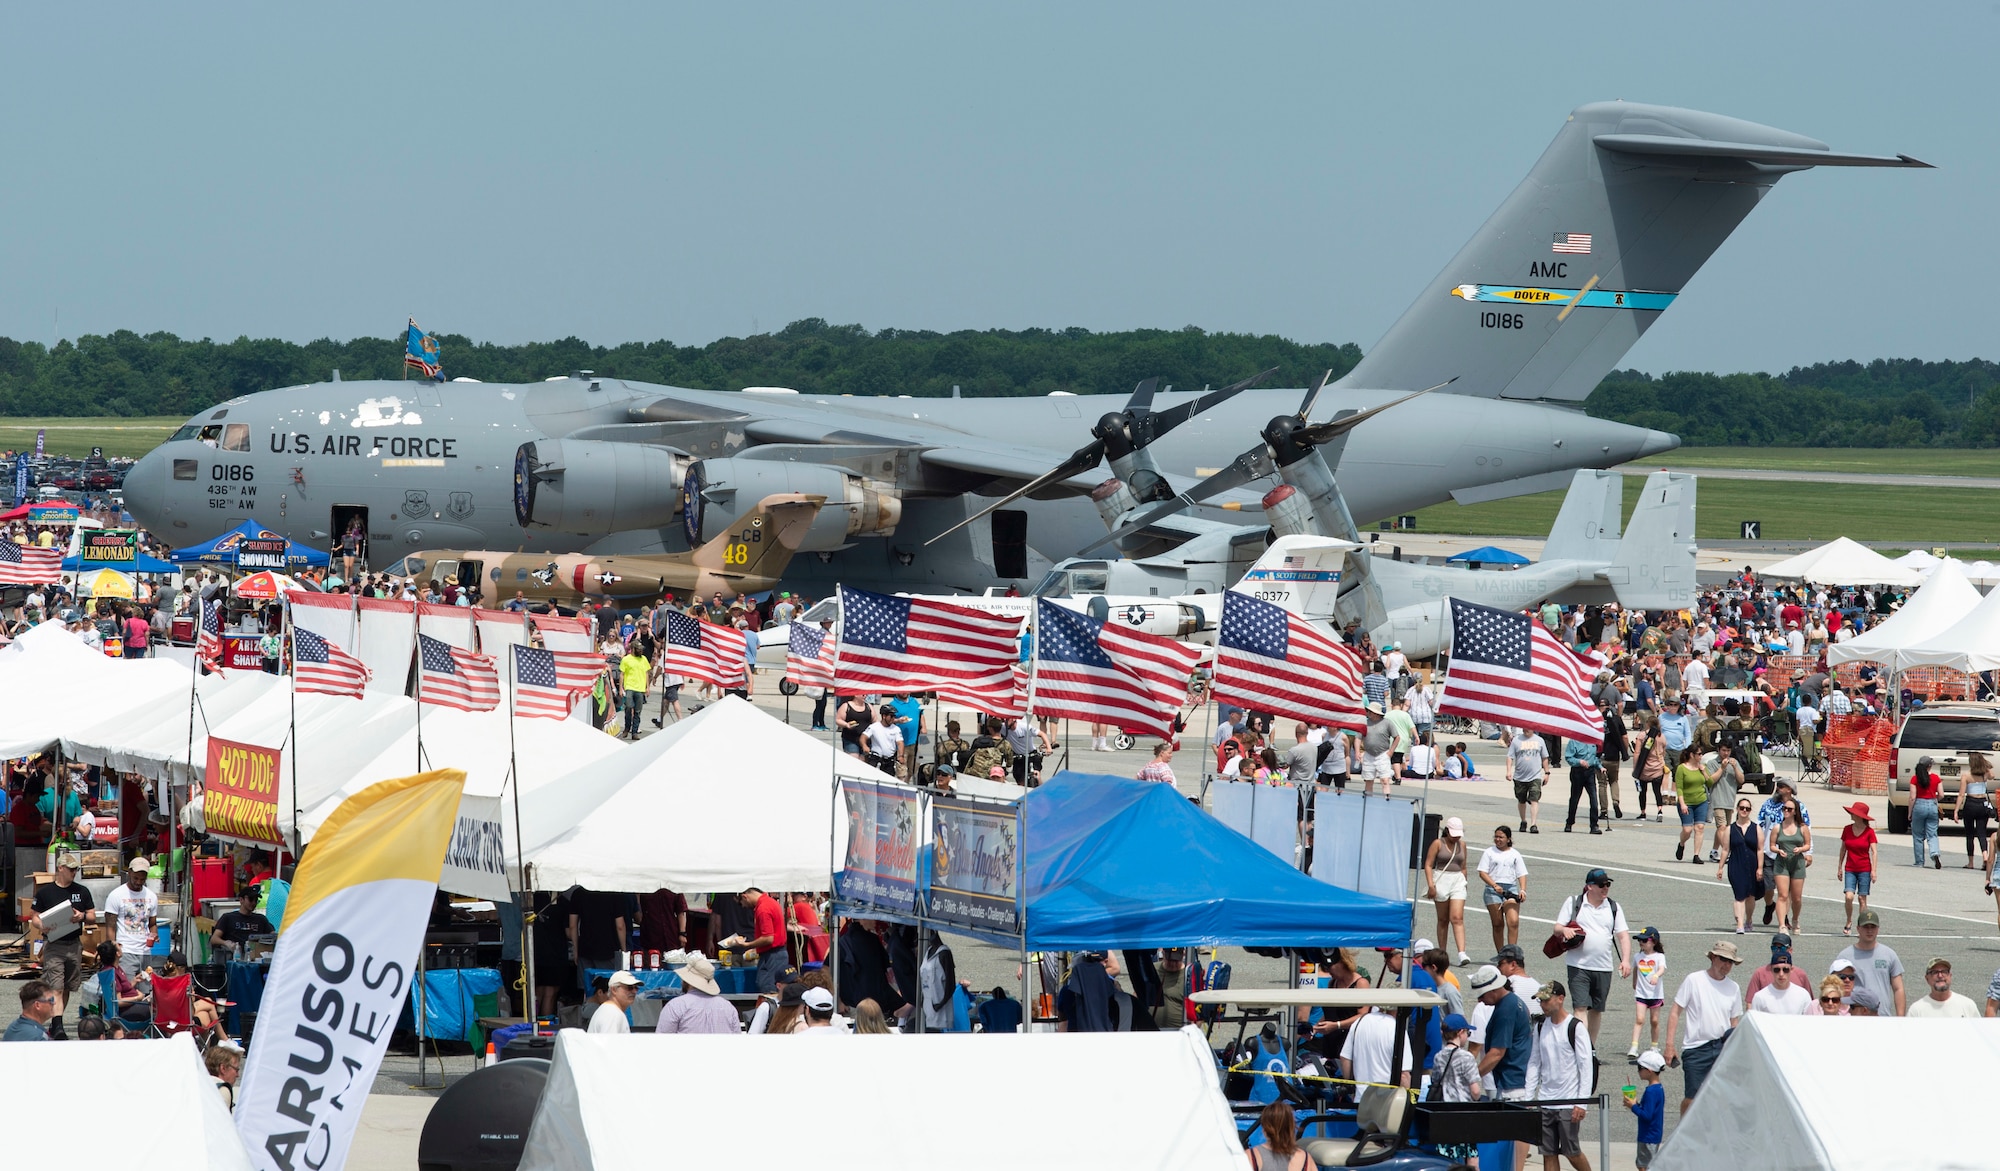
<point x="1872" y="905"/>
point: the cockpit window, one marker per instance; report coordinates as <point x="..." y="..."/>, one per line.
<point x="1055" y="585"/>
<point x="236" y="437"/>
<point x="186" y="469"/>
<point x="1089" y="581"/>
<point x="219" y="416"/>
<point x="188" y="431"/>
<point x="411" y="566"/>
<point x="211" y="434"/>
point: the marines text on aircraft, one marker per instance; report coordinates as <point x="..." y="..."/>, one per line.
<point x="1596" y="242"/>
<point x="748" y="559"/>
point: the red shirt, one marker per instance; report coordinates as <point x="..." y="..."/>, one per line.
<point x="1854" y="848"/>
<point x="769" y="920"/>
<point x="1926" y="787"/>
<point x="816" y="949"/>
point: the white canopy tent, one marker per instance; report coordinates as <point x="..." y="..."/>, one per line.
<point x="1919" y="560"/>
<point x="1944" y="598"/>
<point x="728" y="798"/>
<point x="1844" y="562"/>
<point x="56" y="684"/>
<point x="154" y="742"/>
<point x="187" y="1128"/>
<point x="1784" y="1094"/>
<point x="1153" y="1102"/>
<point x="1970" y="644"/>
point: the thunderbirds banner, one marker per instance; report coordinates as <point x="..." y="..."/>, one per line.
<point x="346" y="955"/>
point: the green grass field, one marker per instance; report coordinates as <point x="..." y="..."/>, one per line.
<point x="1819" y="512"/>
<point x="1892" y="461"/>
<point x="126" y="437"/>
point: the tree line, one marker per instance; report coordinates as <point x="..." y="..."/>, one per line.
<point x="1884" y="403"/>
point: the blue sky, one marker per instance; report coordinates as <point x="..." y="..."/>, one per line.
<point x="622" y="172"/>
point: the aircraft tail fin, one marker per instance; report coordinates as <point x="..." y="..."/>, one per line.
<point x="1654" y="567"/>
<point x="1586" y="528"/>
<point x="1300" y="573"/>
<point x="1620" y="211"/>
<point x="760" y="543"/>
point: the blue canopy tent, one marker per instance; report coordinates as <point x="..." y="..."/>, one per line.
<point x="1118" y="863"/>
<point x="222" y="550"/>
<point x="1491" y="555"/>
<point x="145" y="564"/>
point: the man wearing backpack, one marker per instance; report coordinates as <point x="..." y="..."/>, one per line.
<point x="1561" y="1065"/>
<point x="1607" y="944"/>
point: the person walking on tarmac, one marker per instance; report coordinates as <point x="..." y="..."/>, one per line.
<point x="635" y="671"/>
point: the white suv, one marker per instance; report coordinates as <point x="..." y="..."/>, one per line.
<point x="1948" y="732"/>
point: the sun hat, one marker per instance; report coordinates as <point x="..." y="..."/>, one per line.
<point x="1860" y="809"/>
<point x="1486" y="979"/>
<point x="1724" y="950"/>
<point x="700" y="975"/>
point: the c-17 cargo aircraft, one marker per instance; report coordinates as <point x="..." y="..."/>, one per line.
<point x="748" y="559"/>
<point x="1598" y="241"/>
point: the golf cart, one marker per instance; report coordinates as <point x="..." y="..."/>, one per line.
<point x="1381" y="1126"/>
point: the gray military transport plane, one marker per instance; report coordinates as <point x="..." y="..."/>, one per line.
<point x="1597" y="241"/>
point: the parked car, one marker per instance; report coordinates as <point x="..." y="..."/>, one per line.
<point x="1948" y="732"/>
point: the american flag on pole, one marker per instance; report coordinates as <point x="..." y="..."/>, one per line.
<point x="703" y="650"/>
<point x="28" y="564"/>
<point x="319" y="666"/>
<point x="1097" y="671"/>
<point x="891" y="644"/>
<point x="1506" y="668"/>
<point x="451" y="677"/>
<point x="208" y="643"/>
<point x="1269" y="659"/>
<point x="809" y="656"/>
<point x="546" y="683"/>
<point x="1573" y="243"/>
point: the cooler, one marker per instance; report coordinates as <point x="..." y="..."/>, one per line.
<point x="213" y="878"/>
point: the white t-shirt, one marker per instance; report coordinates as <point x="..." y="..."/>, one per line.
<point x="1649" y="975"/>
<point x="1956" y="1007"/>
<point x="1601" y="926"/>
<point x="135" y="912"/>
<point x="1527" y="755"/>
<point x="1503" y="866"/>
<point x="609" y="1018"/>
<point x="1708" y="1006"/>
<point x="883" y="739"/>
<point x="1368" y="1046"/>
<point x="1793" y="1001"/>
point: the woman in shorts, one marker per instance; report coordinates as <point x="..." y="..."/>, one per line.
<point x="1791" y="846"/>
<point x="1505" y="874"/>
<point x="1444" y="876"/>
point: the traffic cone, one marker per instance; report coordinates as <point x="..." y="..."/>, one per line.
<point x="492" y="1055"/>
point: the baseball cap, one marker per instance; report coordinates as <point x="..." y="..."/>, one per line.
<point x="1454" y="826"/>
<point x="1421" y="946"/>
<point x="1597" y="877"/>
<point x="624" y="980"/>
<point x="818" y="999"/>
<point x="1936" y="963"/>
<point x="1487" y="978"/>
<point x="1651" y="1059"/>
<point x="1840" y="965"/>
<point x="69" y="859"/>
<point x="788" y="975"/>
<point x="1511" y="952"/>
<point x="1781" y="957"/>
<point x="1781" y="942"/>
<point x="139" y="863"/>
<point x="1868" y="919"/>
<point x="1551" y="990"/>
<point x="1865" y="997"/>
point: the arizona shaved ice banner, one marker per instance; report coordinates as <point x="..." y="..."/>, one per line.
<point x="346" y="955"/>
<point x="240" y="791"/>
<point x="882" y="826"/>
<point x="975" y="865"/>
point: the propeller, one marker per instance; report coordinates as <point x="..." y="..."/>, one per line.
<point x="1118" y="434"/>
<point x="1284" y="441"/>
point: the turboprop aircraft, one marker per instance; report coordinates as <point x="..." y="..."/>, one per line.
<point x="748" y="559"/>
<point x="1598" y="240"/>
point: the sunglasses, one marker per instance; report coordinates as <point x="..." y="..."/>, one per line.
<point x="1846" y="979"/>
<point x="1829" y="1000"/>
<point x="1779" y="970"/>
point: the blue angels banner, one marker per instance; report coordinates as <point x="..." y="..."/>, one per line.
<point x="883" y="824"/>
<point x="975" y="865"/>
<point x="421" y="352"/>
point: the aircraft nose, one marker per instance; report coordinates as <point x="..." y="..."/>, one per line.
<point x="1657" y="442"/>
<point x="146" y="490"/>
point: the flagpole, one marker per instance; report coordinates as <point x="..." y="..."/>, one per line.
<point x="834" y="810"/>
<point x="278" y="870"/>
<point x="420" y="691"/>
<point x="1034" y="674"/>
<point x="520" y="848"/>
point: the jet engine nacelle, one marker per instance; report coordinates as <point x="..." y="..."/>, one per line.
<point x="594" y="488"/>
<point x="718" y="491"/>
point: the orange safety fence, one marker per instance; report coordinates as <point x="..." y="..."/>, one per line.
<point x="1848" y="674"/>
<point x="1779" y="668"/>
<point x="1933" y="683"/>
<point x="1858" y="750"/>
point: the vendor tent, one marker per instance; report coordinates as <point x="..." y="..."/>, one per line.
<point x="1919" y="560"/>
<point x="1490" y="555"/>
<point x="105" y="583"/>
<point x="1970" y="644"/>
<point x="1071" y="1100"/>
<point x="1844" y="562"/>
<point x="1113" y="862"/>
<point x="56" y="684"/>
<point x="156" y="740"/>
<point x="729" y="797"/>
<point x="187" y="1128"/>
<point x="222" y="550"/>
<point x="1784" y="1094"/>
<point x="1945" y="598"/>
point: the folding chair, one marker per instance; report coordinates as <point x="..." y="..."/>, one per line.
<point x="173" y="1010"/>
<point x="107" y="988"/>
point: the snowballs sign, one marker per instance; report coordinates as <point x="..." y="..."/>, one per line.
<point x="346" y="954"/>
<point x="240" y="791"/>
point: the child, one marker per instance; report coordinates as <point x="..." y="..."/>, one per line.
<point x="1650" y="1108"/>
<point x="1649" y="982"/>
<point x="1456" y="1073"/>
<point x="1857" y="855"/>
